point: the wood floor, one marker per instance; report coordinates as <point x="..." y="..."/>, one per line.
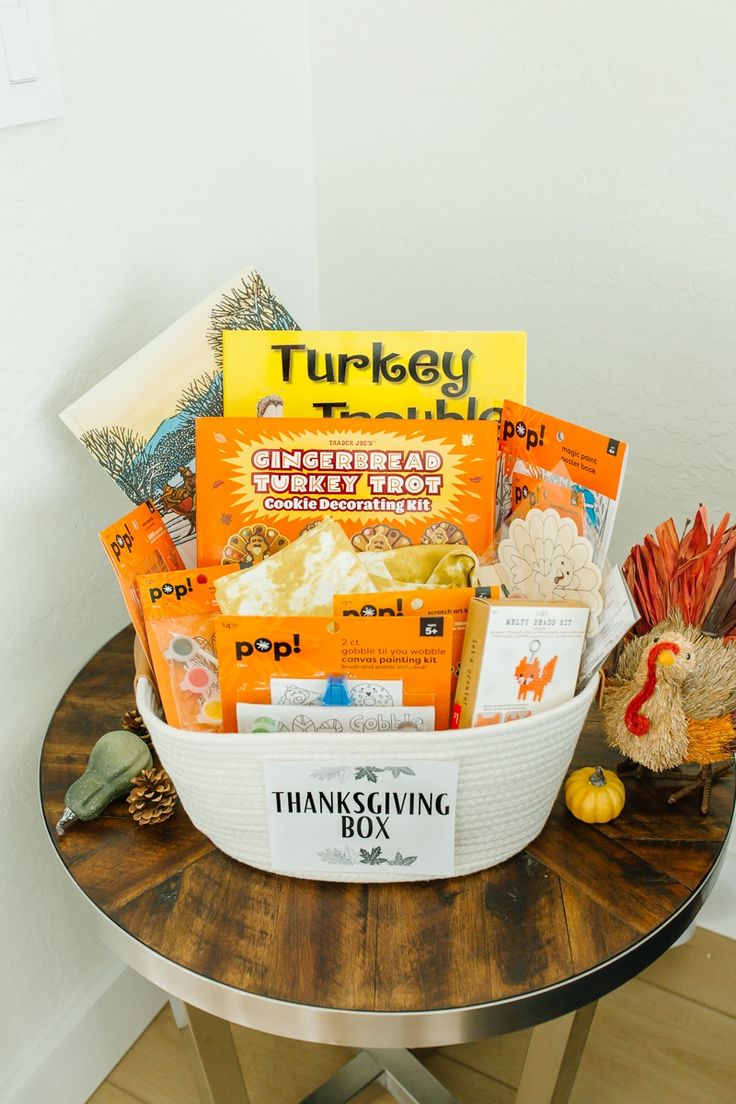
<point x="668" y="1036"/>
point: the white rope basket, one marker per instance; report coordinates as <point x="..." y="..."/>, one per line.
<point x="509" y="776"/>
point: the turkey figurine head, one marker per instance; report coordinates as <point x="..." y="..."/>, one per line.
<point x="663" y="668"/>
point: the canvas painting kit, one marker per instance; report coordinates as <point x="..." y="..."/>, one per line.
<point x="349" y="498"/>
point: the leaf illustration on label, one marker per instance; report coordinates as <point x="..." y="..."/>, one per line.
<point x="372" y="857"/>
<point x="220" y="437"/>
<point x="217" y="483"/>
<point x="396" y="771"/>
<point x="400" y="860"/>
<point x="335" y="857"/>
<point x="369" y="773"/>
<point x="326" y="774"/>
<point x="472" y="517"/>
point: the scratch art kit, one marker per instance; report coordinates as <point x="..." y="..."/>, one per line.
<point x="138" y="422"/>
<point x="179" y="608"/>
<point x="139" y="543"/>
<point x="518" y="658"/>
<point x="254" y="650"/>
<point x="390" y="484"/>
<point x="344" y="374"/>
<point x="561" y="465"/>
<point x="452" y="603"/>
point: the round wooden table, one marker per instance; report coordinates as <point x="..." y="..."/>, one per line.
<point x="538" y="938"/>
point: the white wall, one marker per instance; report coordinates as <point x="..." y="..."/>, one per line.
<point x="185" y="152"/>
<point x="563" y="168"/>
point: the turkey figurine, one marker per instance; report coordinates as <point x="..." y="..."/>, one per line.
<point x="672" y="700"/>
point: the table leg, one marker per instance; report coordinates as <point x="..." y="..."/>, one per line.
<point x="214" y="1060"/>
<point x="552" y="1061"/>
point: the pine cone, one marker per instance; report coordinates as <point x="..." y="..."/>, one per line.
<point x="153" y="797"/>
<point x="133" y="721"/>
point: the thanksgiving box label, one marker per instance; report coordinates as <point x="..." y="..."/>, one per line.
<point x="263" y="482"/>
<point x="394" y="818"/>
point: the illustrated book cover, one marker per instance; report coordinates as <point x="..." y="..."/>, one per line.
<point x="341" y="374"/>
<point x="388" y="483"/>
<point x="138" y="422"/>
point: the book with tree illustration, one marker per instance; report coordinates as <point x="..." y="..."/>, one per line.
<point x="138" y="422"/>
<point x="390" y="484"/>
<point x="413" y="375"/>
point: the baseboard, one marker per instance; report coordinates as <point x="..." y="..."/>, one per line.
<point x="78" y="1056"/>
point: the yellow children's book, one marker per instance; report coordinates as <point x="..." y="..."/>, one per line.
<point x="257" y="652"/>
<point x="389" y="484"/>
<point x="339" y="374"/>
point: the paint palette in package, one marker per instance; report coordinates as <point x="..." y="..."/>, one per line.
<point x="179" y="608"/>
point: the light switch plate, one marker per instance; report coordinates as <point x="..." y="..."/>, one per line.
<point x="30" y="88"/>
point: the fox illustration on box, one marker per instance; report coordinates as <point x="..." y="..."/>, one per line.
<point x="532" y="679"/>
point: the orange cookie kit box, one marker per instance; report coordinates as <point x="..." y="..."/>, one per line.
<point x="136" y="544"/>
<point x="389" y="483"/>
<point x="446" y="601"/>
<point x="179" y="608"/>
<point x="253" y="650"/>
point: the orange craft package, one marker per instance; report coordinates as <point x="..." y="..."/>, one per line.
<point x="528" y="492"/>
<point x="390" y="483"/>
<point x="179" y="608"/>
<point x="442" y="601"/>
<point x="253" y="650"/>
<point x="137" y="544"/>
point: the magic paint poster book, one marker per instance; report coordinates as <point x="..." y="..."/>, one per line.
<point x="138" y="422"/>
<point x="560" y="464"/>
<point x="389" y="484"/>
<point x="341" y="374"/>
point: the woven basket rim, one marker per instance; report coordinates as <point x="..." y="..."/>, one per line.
<point x="144" y="688"/>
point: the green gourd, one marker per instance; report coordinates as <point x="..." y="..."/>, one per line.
<point x="114" y="761"/>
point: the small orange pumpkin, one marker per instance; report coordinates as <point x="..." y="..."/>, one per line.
<point x="594" y="795"/>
